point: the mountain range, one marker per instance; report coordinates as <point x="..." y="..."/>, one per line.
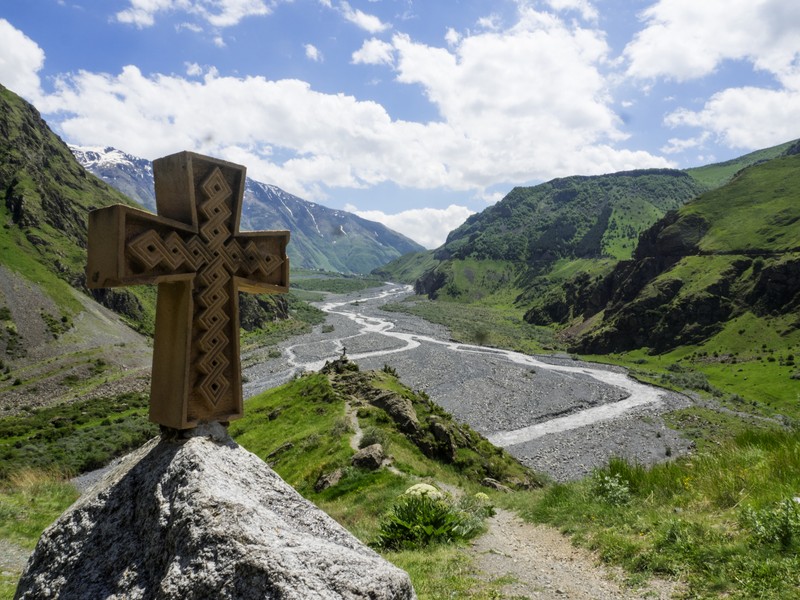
<point x="648" y="259"/>
<point x="321" y="238"/>
<point x="59" y="340"/>
<point x="591" y="256"/>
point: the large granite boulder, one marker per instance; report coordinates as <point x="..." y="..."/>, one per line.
<point x="202" y="518"/>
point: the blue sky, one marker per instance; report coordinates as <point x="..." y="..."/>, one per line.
<point x="409" y="112"/>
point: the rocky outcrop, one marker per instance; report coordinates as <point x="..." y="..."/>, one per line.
<point x="777" y="287"/>
<point x="258" y="310"/>
<point x="425" y="424"/>
<point x="430" y="283"/>
<point x="202" y="518"/>
<point x="400" y="409"/>
<point x="369" y="458"/>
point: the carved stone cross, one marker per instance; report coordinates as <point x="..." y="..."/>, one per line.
<point x="195" y="253"/>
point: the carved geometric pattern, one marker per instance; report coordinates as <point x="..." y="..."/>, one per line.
<point x="194" y="251"/>
<point x="215" y="255"/>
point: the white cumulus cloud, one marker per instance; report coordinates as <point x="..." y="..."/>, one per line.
<point x="219" y="13"/>
<point x="426" y="226"/>
<point x="746" y="118"/>
<point x="313" y="53"/>
<point x="685" y="39"/>
<point x="21" y="59"/>
<point x="367" y="22"/>
<point x="585" y="8"/>
<point x="374" y="52"/>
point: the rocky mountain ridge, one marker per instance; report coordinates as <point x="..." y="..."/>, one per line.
<point x="322" y="238"/>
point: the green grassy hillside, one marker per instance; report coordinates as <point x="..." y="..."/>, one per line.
<point x="721" y="521"/>
<point x="56" y="343"/>
<point x="573" y="217"/>
<point x="718" y="174"/>
<point x="729" y="252"/>
<point x="45" y="197"/>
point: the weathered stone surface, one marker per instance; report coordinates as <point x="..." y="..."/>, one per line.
<point x="400" y="409"/>
<point x="202" y="518"/>
<point x="328" y="480"/>
<point x="370" y="457"/>
<point x="494" y="484"/>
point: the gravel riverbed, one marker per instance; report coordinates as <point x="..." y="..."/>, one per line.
<point x="557" y="415"/>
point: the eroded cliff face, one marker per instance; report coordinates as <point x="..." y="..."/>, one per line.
<point x="732" y="251"/>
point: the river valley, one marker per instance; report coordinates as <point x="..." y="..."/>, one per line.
<point x="557" y="415"/>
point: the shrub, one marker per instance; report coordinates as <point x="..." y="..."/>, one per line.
<point x="416" y="520"/>
<point x="341" y="426"/>
<point x="692" y="380"/>
<point x="374" y="435"/>
<point x="611" y="488"/>
<point x="779" y="524"/>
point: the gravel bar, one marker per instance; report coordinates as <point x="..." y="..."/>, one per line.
<point x="559" y="416"/>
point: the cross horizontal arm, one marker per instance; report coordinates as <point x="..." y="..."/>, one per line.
<point x="111" y="230"/>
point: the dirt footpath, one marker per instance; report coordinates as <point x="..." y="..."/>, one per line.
<point x="543" y="564"/>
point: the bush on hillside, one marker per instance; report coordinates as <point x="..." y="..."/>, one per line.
<point x="416" y="520"/>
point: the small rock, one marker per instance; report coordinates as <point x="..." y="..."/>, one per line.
<point x="370" y="457"/>
<point x="494" y="484"/>
<point x="328" y="480"/>
<point x="280" y="450"/>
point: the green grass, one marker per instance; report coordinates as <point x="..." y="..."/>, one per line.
<point x="408" y="268"/>
<point x="19" y="255"/>
<point x="692" y="518"/>
<point x="313" y="425"/>
<point x="750" y="365"/>
<point x="445" y="572"/>
<point x="334" y="283"/>
<point x="756" y="212"/>
<point x="479" y="324"/>
<point x="718" y="174"/>
<point x="629" y="217"/>
<point x="302" y="316"/>
<point x="71" y="439"/>
<point x="480" y="280"/>
<point x="30" y="500"/>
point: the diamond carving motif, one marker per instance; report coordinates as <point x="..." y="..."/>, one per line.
<point x="200" y="260"/>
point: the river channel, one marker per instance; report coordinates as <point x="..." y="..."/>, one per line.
<point x="557" y="415"/>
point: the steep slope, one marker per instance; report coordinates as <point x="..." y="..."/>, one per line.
<point x="46" y="194"/>
<point x="514" y="247"/>
<point x="718" y="174"/>
<point x="730" y="252"/>
<point x="54" y="340"/>
<point x="130" y="175"/>
<point x="322" y="238"/>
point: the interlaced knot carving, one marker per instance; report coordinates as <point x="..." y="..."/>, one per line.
<point x="216" y="256"/>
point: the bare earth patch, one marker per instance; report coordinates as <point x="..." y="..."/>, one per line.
<point x="539" y="562"/>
